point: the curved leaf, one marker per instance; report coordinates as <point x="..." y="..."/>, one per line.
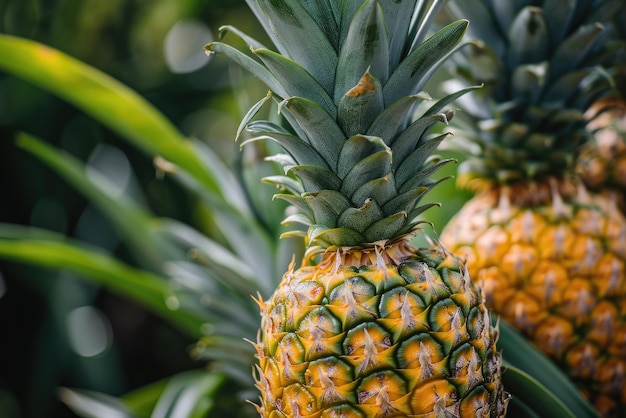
<point x="295" y="80"/>
<point x="107" y="100"/>
<point x="291" y="27"/>
<point x="91" y="404"/>
<point x="414" y="70"/>
<point x="528" y="38"/>
<point x="366" y="49"/>
<point x="148" y="289"/>
<point x="130" y="220"/>
<point x="256" y="68"/>
<point x="189" y="394"/>
<point x="323" y="132"/>
<point x="533" y="394"/>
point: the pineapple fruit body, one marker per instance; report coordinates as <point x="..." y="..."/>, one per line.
<point x="379" y="332"/>
<point x="552" y="262"/>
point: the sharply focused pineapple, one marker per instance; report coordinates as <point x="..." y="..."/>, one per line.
<point x="367" y="326"/>
<point x="550" y="255"/>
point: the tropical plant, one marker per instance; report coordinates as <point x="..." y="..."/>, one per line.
<point x="601" y="163"/>
<point x="180" y="274"/>
<point x="550" y="255"/>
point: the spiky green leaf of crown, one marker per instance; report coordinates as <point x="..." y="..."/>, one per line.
<point x="543" y="64"/>
<point x="348" y="77"/>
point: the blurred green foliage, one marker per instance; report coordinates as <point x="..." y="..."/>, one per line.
<point x="58" y="330"/>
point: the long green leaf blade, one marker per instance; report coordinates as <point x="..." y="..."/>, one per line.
<point x="290" y="23"/>
<point x="150" y="290"/>
<point x="366" y="48"/>
<point x="90" y="404"/>
<point x="413" y="72"/>
<point x="104" y="98"/>
<point x="130" y="220"/>
<point x="190" y="394"/>
<point x="533" y="394"/>
<point x="295" y="79"/>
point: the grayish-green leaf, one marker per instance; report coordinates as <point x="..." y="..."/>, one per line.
<point x="357" y="148"/>
<point x="529" y="39"/>
<point x="393" y="118"/>
<point x="322" y="130"/>
<point x="371" y="167"/>
<point x="386" y="227"/>
<point x="411" y="165"/>
<point x="250" y="64"/>
<point x="360" y="106"/>
<point x="316" y="178"/>
<point x="415" y="70"/>
<point x="295" y="80"/>
<point x="366" y="48"/>
<point x="290" y="23"/>
<point x="360" y="218"/>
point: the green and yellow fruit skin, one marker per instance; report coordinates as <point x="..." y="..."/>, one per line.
<point x="552" y="262"/>
<point x="379" y="332"/>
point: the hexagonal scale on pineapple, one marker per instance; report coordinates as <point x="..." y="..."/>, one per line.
<point x="331" y="380"/>
<point x="581" y="360"/>
<point x="579" y="298"/>
<point x="589" y="221"/>
<point x="289" y="355"/>
<point x="369" y="347"/>
<point x="604" y="319"/>
<point x="435" y="395"/>
<point x="610" y="276"/>
<point x="320" y="333"/>
<point x="523" y="311"/>
<point x="402" y="312"/>
<point x="466" y="368"/>
<point x="490" y="247"/>
<point x="353" y="301"/>
<point x="381" y="394"/>
<point x="423" y="281"/>
<point x="585" y="255"/>
<point x="423" y="355"/>
<point x="556" y="241"/>
<point x="554" y="335"/>
<point x="447" y="323"/>
<point x="547" y="283"/>
<point x="476" y="401"/>
<point x="518" y="263"/>
<point x="613" y="374"/>
<point x="298" y="402"/>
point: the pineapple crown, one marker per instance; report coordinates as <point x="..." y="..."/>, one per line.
<point x="348" y="78"/>
<point x="543" y="63"/>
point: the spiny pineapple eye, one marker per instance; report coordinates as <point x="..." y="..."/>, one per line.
<point x="400" y="302"/>
<point x="319" y="323"/>
<point x="367" y="337"/>
<point x="420" y="351"/>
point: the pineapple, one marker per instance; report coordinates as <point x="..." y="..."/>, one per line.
<point x="602" y="162"/>
<point x="549" y="254"/>
<point x="367" y="325"/>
